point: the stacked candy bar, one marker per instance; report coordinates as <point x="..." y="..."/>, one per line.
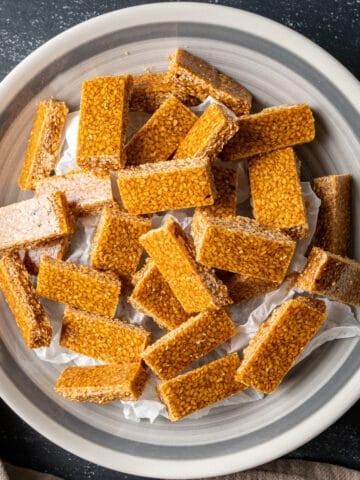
<point x="186" y="283"/>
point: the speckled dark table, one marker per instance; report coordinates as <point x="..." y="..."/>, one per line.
<point x="24" y="26"/>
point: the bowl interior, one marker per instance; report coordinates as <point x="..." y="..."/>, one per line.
<point x="274" y="76"/>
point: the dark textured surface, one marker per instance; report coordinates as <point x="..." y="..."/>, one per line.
<point x="24" y="26"/>
<point x="333" y="24"/>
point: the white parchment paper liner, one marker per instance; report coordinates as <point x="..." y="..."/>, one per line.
<point x="340" y="323"/>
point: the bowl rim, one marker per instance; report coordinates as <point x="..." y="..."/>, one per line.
<point x="263" y="28"/>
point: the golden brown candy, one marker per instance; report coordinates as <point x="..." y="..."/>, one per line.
<point x="79" y="286"/>
<point x="333" y="230"/>
<point x="170" y="185"/>
<point x="34" y="222"/>
<point x="109" y="339"/>
<point x="199" y="388"/>
<point x="245" y="287"/>
<point x="190" y="341"/>
<point x="271" y="129"/>
<point x="42" y="153"/>
<point x="194" y="285"/>
<point x="209" y="133"/>
<point x="104" y="118"/>
<point x="21" y="297"/>
<point x="152" y="296"/>
<point x="102" y="383"/>
<point x="276" y="192"/>
<point x="198" y="78"/>
<point x="331" y="275"/>
<point x="242" y="245"/>
<point x="116" y="245"/>
<point x="279" y="341"/>
<point x="226" y="184"/>
<point x="150" y="90"/>
<point x="158" y="139"/>
<point x="55" y="249"/>
<point x="85" y="193"/>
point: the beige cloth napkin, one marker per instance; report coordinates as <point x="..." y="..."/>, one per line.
<point x="9" y="472"/>
<point x="295" y="470"/>
<point x="278" y="470"/>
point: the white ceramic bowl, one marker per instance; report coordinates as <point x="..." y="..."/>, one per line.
<point x="278" y="66"/>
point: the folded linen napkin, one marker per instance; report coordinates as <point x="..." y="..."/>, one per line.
<point x="294" y="470"/>
<point x="9" y="472"/>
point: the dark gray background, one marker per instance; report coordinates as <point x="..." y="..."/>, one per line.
<point x="27" y="24"/>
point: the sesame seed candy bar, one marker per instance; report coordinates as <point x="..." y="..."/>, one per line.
<point x="195" y="286"/>
<point x="276" y="192"/>
<point x="55" y="249"/>
<point x="152" y="296"/>
<point x="242" y="245"/>
<point x="150" y="90"/>
<point x="79" y="286"/>
<point x="116" y="245"/>
<point x="34" y="222"/>
<point x="331" y="275"/>
<point x="104" y="118"/>
<point x="209" y="133"/>
<point x="86" y="193"/>
<point x="156" y="187"/>
<point x="279" y="341"/>
<point x="24" y="304"/>
<point x="200" y="79"/>
<point x="109" y="339"/>
<point x="226" y="184"/>
<point x="333" y="230"/>
<point x="157" y="140"/>
<point x="42" y="153"/>
<point x="199" y="388"/>
<point x="245" y="287"/>
<point x="271" y="129"/>
<point x="102" y="383"/>
<point x="192" y="340"/>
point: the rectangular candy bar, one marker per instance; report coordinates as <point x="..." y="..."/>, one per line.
<point x="79" y="286"/>
<point x="226" y="184"/>
<point x="331" y="275"/>
<point x="111" y="340"/>
<point x="271" y="129"/>
<point x="104" y="118"/>
<point x="279" y="341"/>
<point x="24" y="304"/>
<point x="242" y="245"/>
<point x="43" y="149"/>
<point x="150" y="90"/>
<point x="34" y="222"/>
<point x="86" y="193"/>
<point x="194" y="285"/>
<point x="190" y="341"/>
<point x="276" y="194"/>
<point x="245" y="287"/>
<point x="199" y="388"/>
<point x="209" y="133"/>
<point x="55" y="249"/>
<point x="158" y="139"/>
<point x="102" y="383"/>
<point x="170" y="185"/>
<point x="200" y="79"/>
<point x="116" y="245"/>
<point x="152" y="296"/>
<point x="333" y="230"/>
